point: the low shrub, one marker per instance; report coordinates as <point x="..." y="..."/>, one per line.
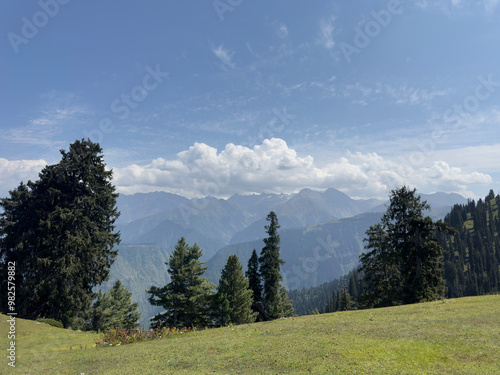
<point x="120" y="336"/>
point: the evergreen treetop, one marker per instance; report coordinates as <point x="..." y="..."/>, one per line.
<point x="60" y="232"/>
<point x="254" y="281"/>
<point x="405" y="263"/>
<point x="114" y="309"/>
<point x="275" y="298"/>
<point x="234" y="296"/>
<point x="186" y="298"/>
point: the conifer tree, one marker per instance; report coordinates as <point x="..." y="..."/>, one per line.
<point x="60" y="232"/>
<point x="332" y="303"/>
<point x="255" y="285"/>
<point x="274" y="299"/>
<point x="233" y="298"/>
<point x="186" y="298"/>
<point x="345" y="302"/>
<point x="114" y="309"/>
<point x="285" y="306"/>
<point x="405" y="264"/>
<point x="220" y="310"/>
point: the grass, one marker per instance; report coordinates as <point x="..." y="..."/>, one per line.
<point x="460" y="336"/>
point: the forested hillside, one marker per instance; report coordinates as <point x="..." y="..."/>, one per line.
<point x="472" y="257"/>
<point x="471" y="260"/>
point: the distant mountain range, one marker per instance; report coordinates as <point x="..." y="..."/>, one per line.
<point x="321" y="233"/>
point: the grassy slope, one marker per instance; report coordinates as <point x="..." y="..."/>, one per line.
<point x="459" y="336"/>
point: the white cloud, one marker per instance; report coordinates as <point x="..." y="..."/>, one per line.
<point x="471" y="156"/>
<point x="282" y="31"/>
<point x="56" y="116"/>
<point x="12" y="172"/>
<point x="58" y="111"/>
<point x="398" y="94"/>
<point x="224" y="55"/>
<point x="274" y="167"/>
<point x="458" y="7"/>
<point x="326" y="32"/>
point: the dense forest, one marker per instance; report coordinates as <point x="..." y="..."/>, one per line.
<point x="472" y="257"/>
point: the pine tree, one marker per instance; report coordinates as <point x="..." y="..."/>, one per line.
<point x="382" y="280"/>
<point x="220" y="310"/>
<point x="345" y="302"/>
<point x="255" y="285"/>
<point x="354" y="284"/>
<point x="186" y="298"/>
<point x="274" y="299"/>
<point x="286" y="309"/>
<point x="332" y="301"/>
<point x="234" y="298"/>
<point x="405" y="265"/>
<point x="60" y="232"/>
<point x="114" y="309"/>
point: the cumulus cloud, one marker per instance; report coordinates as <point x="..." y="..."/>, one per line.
<point x="12" y="172"/>
<point x="271" y="167"/>
<point x="275" y="167"/>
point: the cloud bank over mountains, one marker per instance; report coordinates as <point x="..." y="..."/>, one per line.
<point x="274" y="167"/>
<point x="271" y="167"/>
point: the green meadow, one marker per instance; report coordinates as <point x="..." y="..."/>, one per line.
<point x="459" y="336"/>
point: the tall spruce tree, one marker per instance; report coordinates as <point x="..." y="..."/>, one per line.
<point x="59" y="230"/>
<point x="274" y="298"/>
<point x="186" y="298"/>
<point x="255" y="285"/>
<point x="234" y="298"/>
<point x="405" y="264"/>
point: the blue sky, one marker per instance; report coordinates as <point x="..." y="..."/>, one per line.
<point x="237" y="96"/>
